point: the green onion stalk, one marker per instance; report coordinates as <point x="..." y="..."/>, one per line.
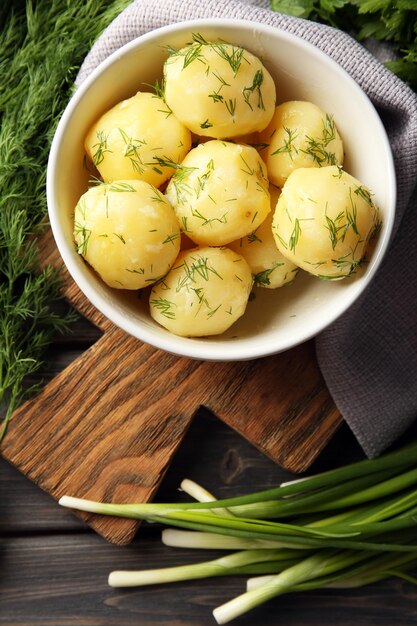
<point x="345" y="528"/>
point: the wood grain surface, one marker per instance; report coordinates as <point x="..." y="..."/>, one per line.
<point x="54" y="569"/>
<point x="108" y="425"/>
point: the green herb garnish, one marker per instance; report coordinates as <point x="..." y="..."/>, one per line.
<point x="166" y="307"/>
<point x="393" y="21"/>
<point x="255" y="88"/>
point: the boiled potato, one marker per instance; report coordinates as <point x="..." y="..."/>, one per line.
<point x="300" y="134"/>
<point x="205" y="292"/>
<point x="218" y="89"/>
<point x="139" y="138"/>
<point x="323" y="221"/>
<point x="128" y="232"/>
<point x="220" y="192"/>
<point x="269" y="267"/>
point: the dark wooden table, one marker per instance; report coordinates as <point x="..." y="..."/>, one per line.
<point x="53" y="568"/>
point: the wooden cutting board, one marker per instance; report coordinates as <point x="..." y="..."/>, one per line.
<point x="107" y="427"/>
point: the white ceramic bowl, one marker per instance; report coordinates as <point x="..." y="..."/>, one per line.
<point x="275" y="320"/>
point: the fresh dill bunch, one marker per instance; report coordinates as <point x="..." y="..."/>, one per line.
<point x="42" y="45"/>
<point x="393" y="21"/>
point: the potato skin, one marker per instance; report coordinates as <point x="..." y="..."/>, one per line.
<point x="270" y="268"/>
<point x="300" y="134"/>
<point x="205" y="292"/>
<point x="323" y="221"/>
<point x="219" y="90"/>
<point x="220" y="192"/>
<point x="138" y="139"/>
<point x="128" y="232"/>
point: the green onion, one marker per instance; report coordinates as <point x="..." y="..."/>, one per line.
<point x="215" y="541"/>
<point x="321" y="564"/>
<point x="345" y="528"/>
<point x="230" y="564"/>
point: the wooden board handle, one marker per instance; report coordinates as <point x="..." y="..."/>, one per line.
<point x="106" y="428"/>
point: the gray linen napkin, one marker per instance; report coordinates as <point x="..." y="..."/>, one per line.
<point x="369" y="356"/>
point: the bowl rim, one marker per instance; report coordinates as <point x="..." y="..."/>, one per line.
<point x="196" y="347"/>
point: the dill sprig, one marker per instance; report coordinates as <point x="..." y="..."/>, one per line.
<point x="233" y="55"/>
<point x="288" y="146"/>
<point x="263" y="279"/>
<point x="42" y="45"/>
<point x="255" y="88"/>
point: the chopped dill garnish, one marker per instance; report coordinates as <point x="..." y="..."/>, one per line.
<point x="317" y="148"/>
<point x="208" y="220"/>
<point x="199" y="292"/>
<point x="334" y="227"/>
<point x="166" y="162"/>
<point x="213" y="311"/>
<point x="252" y="237"/>
<point x="201" y="267"/>
<point x="83" y="234"/>
<point x="81" y="206"/>
<point x="121" y="186"/>
<point x="193" y="53"/>
<point x="234" y="55"/>
<point x="339" y="171"/>
<point x="365" y="194"/>
<point x="166" y="111"/>
<point x="351" y="214"/>
<point x="329" y="130"/>
<point x="131" y="151"/>
<point x="295" y="235"/>
<point x="216" y="96"/>
<point x="158" y="88"/>
<point x="202" y="180"/>
<point x="164" y="306"/>
<point x="348" y="261"/>
<point x="317" y="151"/>
<point x="198" y="38"/>
<point x="282" y="242"/>
<point x="255" y="88"/>
<point x="376" y="229"/>
<point x="158" y="197"/>
<point x="288" y="145"/>
<point x="247" y="169"/>
<point x="180" y="182"/>
<point x="100" y="148"/>
<point x="171" y="238"/>
<point x="231" y="106"/>
<point x="259" y="146"/>
<point x="184" y="226"/>
<point x="335" y="277"/>
<point x="206" y="124"/>
<point x="263" y="279"/>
